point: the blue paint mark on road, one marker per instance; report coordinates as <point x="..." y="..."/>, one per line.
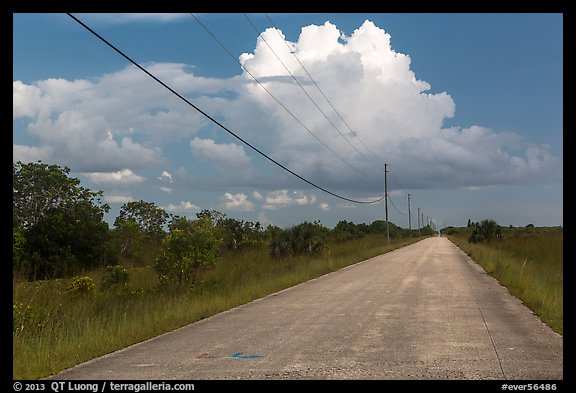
<point x="240" y="356"/>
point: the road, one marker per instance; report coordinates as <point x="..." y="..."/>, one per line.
<point x="425" y="311"/>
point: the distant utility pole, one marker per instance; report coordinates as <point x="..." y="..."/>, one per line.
<point x="409" y="220"/>
<point x="418" y="221"/>
<point x="386" y="200"/>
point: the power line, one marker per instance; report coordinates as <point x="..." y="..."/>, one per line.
<point x="276" y="99"/>
<point x="398" y="210"/>
<point x="392" y="202"/>
<point x="214" y="120"/>
<point x="324" y="95"/>
<point x="302" y="88"/>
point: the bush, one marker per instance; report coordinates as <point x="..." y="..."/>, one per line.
<point x="190" y="246"/>
<point x="115" y="276"/>
<point x="80" y="286"/>
<point x="485" y="232"/>
<point x="27" y="318"/>
<point x="303" y="239"/>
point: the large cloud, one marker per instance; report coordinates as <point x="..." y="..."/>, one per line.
<point x="389" y="109"/>
<point x="124" y="120"/>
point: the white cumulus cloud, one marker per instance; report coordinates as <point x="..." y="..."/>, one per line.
<point x="183" y="206"/>
<point x="237" y="202"/>
<point x="122" y="177"/>
<point x="284" y="198"/>
<point x="123" y="121"/>
<point x="120" y="199"/>
<point x="226" y="156"/>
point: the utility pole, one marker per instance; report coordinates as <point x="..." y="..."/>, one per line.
<point x="422" y="219"/>
<point x="386" y="200"/>
<point x="409" y="220"/>
<point x="418" y="221"/>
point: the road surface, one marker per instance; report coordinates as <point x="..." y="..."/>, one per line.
<point x="425" y="311"/>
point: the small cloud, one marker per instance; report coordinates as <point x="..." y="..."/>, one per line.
<point x="181" y="207"/>
<point x="237" y="202"/>
<point x="166" y="176"/>
<point x="165" y="189"/>
<point x="324" y="206"/>
<point x="283" y="198"/>
<point x="257" y="196"/>
<point x="124" y="176"/>
<point x="118" y="198"/>
<point x="346" y="205"/>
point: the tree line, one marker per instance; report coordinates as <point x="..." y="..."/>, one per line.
<point x="59" y="231"/>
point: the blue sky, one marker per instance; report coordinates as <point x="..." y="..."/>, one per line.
<point x="466" y="110"/>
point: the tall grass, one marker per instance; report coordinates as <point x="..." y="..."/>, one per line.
<point x="529" y="262"/>
<point x="57" y="331"/>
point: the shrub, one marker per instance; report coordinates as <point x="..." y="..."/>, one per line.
<point x="190" y="246"/>
<point x="303" y="239"/>
<point x="28" y="318"/>
<point x="115" y="276"/>
<point x="80" y="286"/>
<point x="485" y="232"/>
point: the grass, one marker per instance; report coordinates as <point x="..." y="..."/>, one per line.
<point x="54" y="331"/>
<point x="529" y="262"/>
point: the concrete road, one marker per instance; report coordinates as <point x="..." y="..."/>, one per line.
<point x="425" y="311"/>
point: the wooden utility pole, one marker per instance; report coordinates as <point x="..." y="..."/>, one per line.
<point x="386" y="200"/>
<point x="409" y="219"/>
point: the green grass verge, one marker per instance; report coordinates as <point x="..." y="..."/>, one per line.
<point x="529" y="262"/>
<point x="54" y="331"/>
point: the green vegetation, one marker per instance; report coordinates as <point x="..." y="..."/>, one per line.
<point x="54" y="331"/>
<point x="81" y="289"/>
<point x="528" y="261"/>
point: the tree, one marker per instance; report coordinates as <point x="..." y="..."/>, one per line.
<point x="61" y="222"/>
<point x="303" y="239"/>
<point x="346" y="230"/>
<point x="18" y="248"/>
<point x="213" y="215"/>
<point x="66" y="241"/>
<point x="238" y="234"/>
<point x="38" y="188"/>
<point x="128" y="239"/>
<point x="149" y="217"/>
<point x="189" y="247"/>
<point x="485" y="231"/>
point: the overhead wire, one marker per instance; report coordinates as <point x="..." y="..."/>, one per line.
<point x="276" y="99"/>
<point x="302" y="87"/>
<point x="121" y="53"/>
<point x="324" y="95"/>
<point x="392" y="202"/>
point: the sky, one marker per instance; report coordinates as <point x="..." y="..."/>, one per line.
<point x="464" y="110"/>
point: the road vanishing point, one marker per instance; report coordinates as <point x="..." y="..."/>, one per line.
<point x="424" y="311"/>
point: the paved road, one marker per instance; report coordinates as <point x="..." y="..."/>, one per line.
<point x="425" y="311"/>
